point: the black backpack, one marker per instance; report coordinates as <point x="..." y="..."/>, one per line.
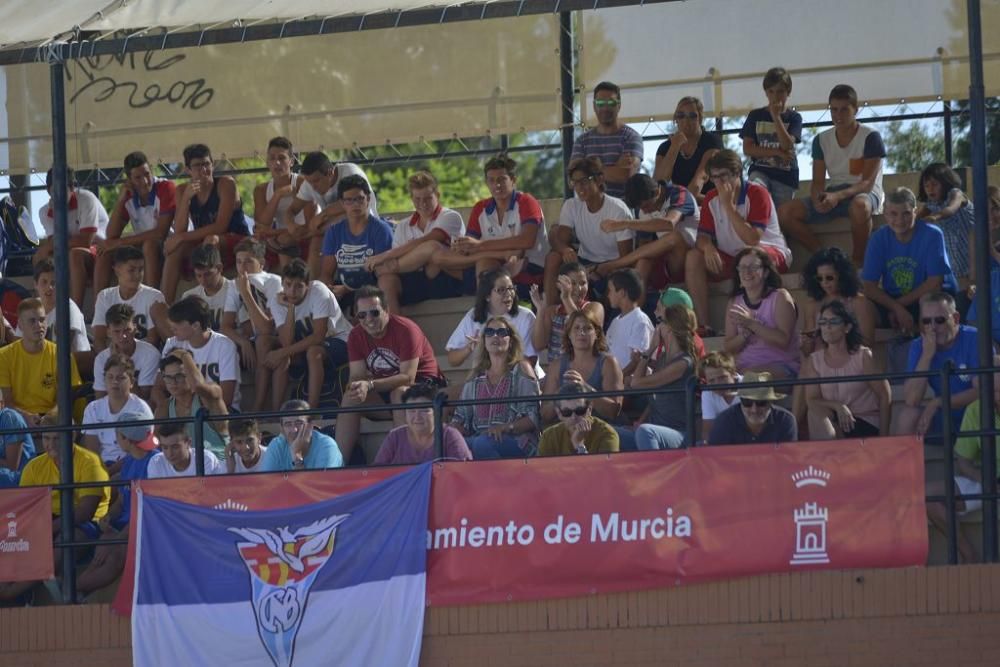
<point x="16" y="245"/>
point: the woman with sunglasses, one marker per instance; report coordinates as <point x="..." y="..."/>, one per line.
<point x="508" y="427"/>
<point x="761" y="322"/>
<point x="675" y="361"/>
<point x="585" y="361"/>
<point x="578" y="430"/>
<point x="844" y="409"/>
<point x="831" y="276"/>
<point x="496" y="296"/>
<point x="682" y="158"/>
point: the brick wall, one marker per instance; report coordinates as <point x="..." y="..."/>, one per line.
<point x="918" y="616"/>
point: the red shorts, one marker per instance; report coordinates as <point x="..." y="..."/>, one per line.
<point x="729" y="264"/>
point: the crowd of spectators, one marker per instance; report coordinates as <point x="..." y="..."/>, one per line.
<point x="305" y="297"/>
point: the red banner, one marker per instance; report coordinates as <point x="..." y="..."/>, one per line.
<point x="26" y="534"/>
<point x="570" y="526"/>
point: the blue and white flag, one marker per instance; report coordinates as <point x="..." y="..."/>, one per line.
<point x="338" y="582"/>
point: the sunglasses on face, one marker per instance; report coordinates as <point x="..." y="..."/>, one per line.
<point x="750" y="403"/>
<point x="830" y="322"/>
<point x="569" y="412"/>
<point x="685" y="115"/>
<point x="826" y="279"/>
<point x="605" y="103"/>
<point x="373" y="313"/>
<point x="491" y="332"/>
<point x="940" y="319"/>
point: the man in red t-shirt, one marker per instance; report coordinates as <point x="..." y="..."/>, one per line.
<point x="387" y="354"/>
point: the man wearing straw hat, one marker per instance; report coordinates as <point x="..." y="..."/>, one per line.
<point x="755" y="419"/>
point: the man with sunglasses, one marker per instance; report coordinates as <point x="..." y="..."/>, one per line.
<point x="578" y="430"/>
<point x="617" y="145"/>
<point x="387" y="353"/>
<point x="755" y="419"/>
<point x="942" y="339"/>
<point x="905" y="260"/>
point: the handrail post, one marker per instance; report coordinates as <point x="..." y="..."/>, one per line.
<point x="949" y="463"/>
<point x="440" y="399"/>
<point x="690" y="387"/>
<point x="199" y="441"/>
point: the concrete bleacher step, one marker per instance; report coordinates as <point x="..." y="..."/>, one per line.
<point x="438" y="318"/>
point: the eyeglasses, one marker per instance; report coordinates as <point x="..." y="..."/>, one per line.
<point x="177" y="377"/>
<point x="826" y="279"/>
<point x="750" y="403"/>
<point x="830" y="322"/>
<point x="578" y="411"/>
<point x="353" y="201"/>
<point x="750" y="268"/>
<point x="501" y="332"/>
<point x="504" y="291"/>
<point x="374" y="313"/>
<point x="940" y="319"/>
<point x="579" y="182"/>
<point x="200" y="164"/>
<point x="606" y="103"/>
<point x="686" y="115"/>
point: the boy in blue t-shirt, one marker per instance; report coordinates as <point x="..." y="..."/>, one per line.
<point x="349" y="243"/>
<point x="905" y="260"/>
<point x="139" y="445"/>
<point x="941" y="339"/>
<point x="16" y="449"/>
<point x="769" y="137"/>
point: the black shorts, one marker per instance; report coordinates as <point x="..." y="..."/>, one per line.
<point x="418" y="287"/>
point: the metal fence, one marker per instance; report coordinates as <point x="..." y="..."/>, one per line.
<point x="989" y="494"/>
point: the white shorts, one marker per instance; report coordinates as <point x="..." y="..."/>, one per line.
<point x="968" y="486"/>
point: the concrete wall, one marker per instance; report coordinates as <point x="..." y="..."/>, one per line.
<point x="917" y="616"/>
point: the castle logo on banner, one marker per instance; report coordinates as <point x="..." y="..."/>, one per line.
<point x="278" y="588"/>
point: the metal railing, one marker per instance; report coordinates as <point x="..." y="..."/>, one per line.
<point x="689" y="392"/>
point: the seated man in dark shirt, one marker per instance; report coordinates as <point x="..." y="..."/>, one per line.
<point x="755" y="419"/>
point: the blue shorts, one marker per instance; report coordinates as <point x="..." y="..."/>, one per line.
<point x="841" y="209"/>
<point x="780" y="192"/>
<point x="418" y="287"/>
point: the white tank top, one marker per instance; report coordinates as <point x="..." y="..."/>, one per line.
<point x="283" y="205"/>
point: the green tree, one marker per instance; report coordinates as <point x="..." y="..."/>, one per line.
<point x="912" y="146"/>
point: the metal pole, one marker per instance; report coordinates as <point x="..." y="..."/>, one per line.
<point x="64" y="386"/>
<point x="977" y="148"/>
<point x="439" y="402"/>
<point x="949" y="452"/>
<point x="199" y="441"/>
<point x="947" y="132"/>
<point x="689" y="392"/>
<point x="567" y="86"/>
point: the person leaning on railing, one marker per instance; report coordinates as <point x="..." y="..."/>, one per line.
<point x="414" y="442"/>
<point x="755" y="419"/>
<point x="507" y="428"/>
<point x="578" y="430"/>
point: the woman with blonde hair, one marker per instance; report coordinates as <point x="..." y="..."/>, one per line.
<point x="509" y="426"/>
<point x="673" y="363"/>
<point x="585" y="361"/>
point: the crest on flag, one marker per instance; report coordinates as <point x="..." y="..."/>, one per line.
<point x="283" y="565"/>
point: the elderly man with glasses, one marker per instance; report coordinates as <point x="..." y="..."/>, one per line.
<point x="755" y="419"/>
<point x="387" y="353"/>
<point x="578" y="430"/>
<point x="942" y="339"/>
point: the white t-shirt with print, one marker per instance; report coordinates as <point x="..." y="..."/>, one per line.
<point x="216" y="302"/>
<point x="318" y="303"/>
<point x="142" y="303"/>
<point x="217" y="359"/>
<point x="264" y="287"/>
<point x="147" y="364"/>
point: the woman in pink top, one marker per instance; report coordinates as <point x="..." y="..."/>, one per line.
<point x="844" y="409"/>
<point x="414" y="442"/>
<point x="761" y="320"/>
